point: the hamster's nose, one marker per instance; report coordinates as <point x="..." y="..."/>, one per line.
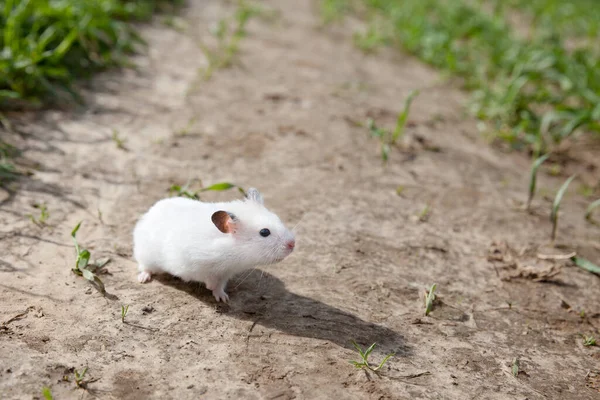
<point x="291" y="244"/>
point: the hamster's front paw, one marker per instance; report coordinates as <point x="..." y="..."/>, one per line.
<point x="144" y="277"/>
<point x="220" y="295"/>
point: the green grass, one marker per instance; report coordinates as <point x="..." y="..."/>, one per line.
<point x="429" y="299"/>
<point x="118" y="139"/>
<point x="589" y="340"/>
<point x="42" y="218"/>
<point x="79" y="377"/>
<point x="47" y="393"/>
<point x="556" y="206"/>
<point x="186" y="191"/>
<point x="83" y="266"/>
<point x="48" y="45"/>
<point x="229" y="32"/>
<point x="8" y="171"/>
<point x="389" y="138"/>
<point x="364" y="355"/>
<point x="533" y="90"/>
<point x="533" y="178"/>
<point x="124" y="311"/>
<point x="515" y="367"/>
<point x="590" y="209"/>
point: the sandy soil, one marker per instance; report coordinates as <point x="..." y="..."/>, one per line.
<point x="281" y="120"/>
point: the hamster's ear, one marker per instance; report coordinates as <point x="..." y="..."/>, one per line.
<point x="224" y="221"/>
<point x="254" y="195"/>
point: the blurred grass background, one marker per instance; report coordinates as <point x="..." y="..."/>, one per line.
<point x="532" y="66"/>
<point x="48" y="44"/>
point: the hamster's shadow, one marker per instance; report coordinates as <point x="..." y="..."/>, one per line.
<point x="262" y="298"/>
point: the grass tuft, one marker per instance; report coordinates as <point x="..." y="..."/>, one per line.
<point x="532" y="92"/>
<point x="429" y="299"/>
<point x="118" y="139"/>
<point x="83" y="266"/>
<point x="79" y="377"/>
<point x="229" y="35"/>
<point x="47" y="394"/>
<point x="48" y="45"/>
<point x="390" y="138"/>
<point x="515" y="367"/>
<point x="43" y="217"/>
<point x="364" y="355"/>
<point x="589" y="340"/>
<point x="185" y="191"/>
<point x="124" y="310"/>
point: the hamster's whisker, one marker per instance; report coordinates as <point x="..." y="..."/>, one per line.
<point x="298" y="223"/>
<point x="262" y="272"/>
<point x="245" y="277"/>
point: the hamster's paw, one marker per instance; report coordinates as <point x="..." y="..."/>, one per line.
<point x="144" y="277"/>
<point x="220" y="295"/>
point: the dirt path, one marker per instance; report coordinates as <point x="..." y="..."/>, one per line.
<point x="280" y="122"/>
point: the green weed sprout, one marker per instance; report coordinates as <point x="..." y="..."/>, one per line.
<point x="515" y="367"/>
<point x="556" y="205"/>
<point x="44" y="215"/>
<point x="47" y="394"/>
<point x="429" y="299"/>
<point x="364" y="355"/>
<point x="590" y="209"/>
<point x="79" y="377"/>
<point x="386" y="137"/>
<point x="403" y="116"/>
<point x="228" y="39"/>
<point x="118" y="139"/>
<point x="533" y="178"/>
<point x="589" y="340"/>
<point x="84" y="268"/>
<point x="586" y="265"/>
<point x="184" y="191"/>
<point x="124" y="310"/>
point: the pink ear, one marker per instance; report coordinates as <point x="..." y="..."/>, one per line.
<point x="224" y="221"/>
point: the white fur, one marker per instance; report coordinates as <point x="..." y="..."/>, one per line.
<point x="177" y="236"/>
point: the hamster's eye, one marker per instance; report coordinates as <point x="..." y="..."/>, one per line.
<point x="265" y="232"/>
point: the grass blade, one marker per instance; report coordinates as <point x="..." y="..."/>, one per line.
<point x="47" y="393"/>
<point x="384" y="361"/>
<point x="533" y="179"/>
<point x="219" y="187"/>
<point x="359" y="349"/>
<point x="74" y="232"/>
<point x="369" y="350"/>
<point x="403" y="116"/>
<point x="515" y="367"/>
<point x="556" y="205"/>
<point x="586" y="264"/>
<point x="429" y="300"/>
<point x="588" y="212"/>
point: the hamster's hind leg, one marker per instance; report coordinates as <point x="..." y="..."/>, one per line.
<point x="145" y="275"/>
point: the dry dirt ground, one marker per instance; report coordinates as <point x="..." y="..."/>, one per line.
<point x="281" y="120"/>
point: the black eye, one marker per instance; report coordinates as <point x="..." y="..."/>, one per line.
<point x="265" y="232"/>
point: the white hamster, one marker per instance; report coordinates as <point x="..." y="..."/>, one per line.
<point x="209" y="242"/>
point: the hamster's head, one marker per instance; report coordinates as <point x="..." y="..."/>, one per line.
<point x="260" y="237"/>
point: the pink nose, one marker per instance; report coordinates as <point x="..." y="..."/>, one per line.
<point x="291" y="244"/>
